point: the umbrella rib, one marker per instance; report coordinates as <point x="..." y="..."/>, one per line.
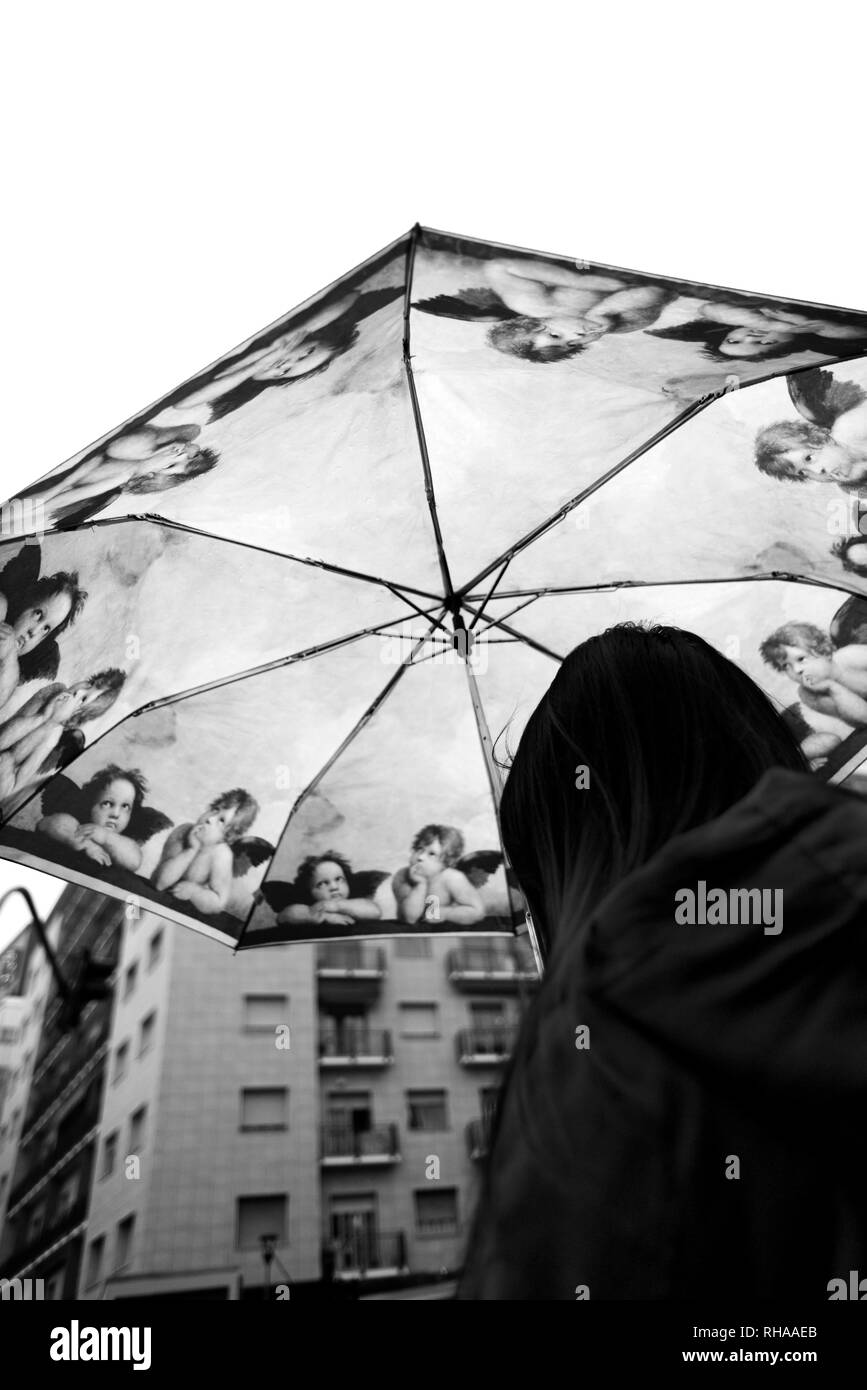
<point x="419" y="424"/>
<point x="495" y="782"/>
<point x="511" y="613"/>
<point x="214" y="685"/>
<point x="852" y="764"/>
<point x="305" y="654"/>
<point x="297" y="559"/>
<point x="779" y="576"/>
<point x="418" y="610"/>
<point x="153" y="518"/>
<point x="543" y="526"/>
<point x="490" y="592"/>
<point x="521" y="636"/>
<point x="360" y="724"/>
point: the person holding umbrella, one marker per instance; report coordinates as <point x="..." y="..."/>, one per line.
<point x="682" y="1116"/>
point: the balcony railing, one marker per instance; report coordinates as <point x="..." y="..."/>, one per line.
<point x="478" y="1134"/>
<point x="71" y="1133"/>
<point x="343" y="1145"/>
<point x="476" y="966"/>
<point x="358" y="1047"/>
<point x="53" y="1231"/>
<point x="79" y="1064"/>
<point x="350" y="957"/>
<point x="365" y="1255"/>
<point x="483" y="1046"/>
<point x="350" y="971"/>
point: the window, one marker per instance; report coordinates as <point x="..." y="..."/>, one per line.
<point x="263" y="1012"/>
<point x="121" y="1061"/>
<point x="436" y="1211"/>
<point x="261" y="1216"/>
<point x="147" y="1033"/>
<point x="419" y="1020"/>
<point x="109" y="1155"/>
<point x="3" y="1181"/>
<point x="488" y="1097"/>
<point x="155" y="949"/>
<point x="264" y="1108"/>
<point x="94" y="1261"/>
<point x="67" y="1196"/>
<point x="427" y="1110"/>
<point x="36" y="1222"/>
<point x="413" y="947"/>
<point x="487" y="1013"/>
<point x="123" y="1246"/>
<point x="353" y="1221"/>
<point x="129" y="980"/>
<point x="54" y="1284"/>
<point x="136" y="1130"/>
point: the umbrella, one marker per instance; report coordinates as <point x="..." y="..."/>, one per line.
<point x="266" y="648"/>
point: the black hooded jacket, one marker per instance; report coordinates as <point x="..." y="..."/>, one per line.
<point x="711" y="1141"/>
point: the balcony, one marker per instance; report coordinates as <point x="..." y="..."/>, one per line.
<point x="485" y="1047"/>
<point x="70" y="1137"/>
<point x="349" y="972"/>
<point x="479" y="968"/>
<point x="343" y="1147"/>
<point x="478" y="1133"/>
<point x="53" y="1231"/>
<point x="74" y="1066"/>
<point x="355" y="1047"/>
<point x="366" y="1255"/>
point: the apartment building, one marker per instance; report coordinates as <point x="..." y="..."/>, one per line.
<point x="16" y="1054"/>
<point x="57" y="1099"/>
<point x="294" y="1121"/>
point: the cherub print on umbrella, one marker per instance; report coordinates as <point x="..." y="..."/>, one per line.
<point x="266" y="647"/>
<point x="829" y="443"/>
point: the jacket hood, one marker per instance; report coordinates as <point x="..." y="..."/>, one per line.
<point x="658" y="1051"/>
<point x="767" y="985"/>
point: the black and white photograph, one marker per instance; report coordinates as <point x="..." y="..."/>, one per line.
<point x="433" y="679"/>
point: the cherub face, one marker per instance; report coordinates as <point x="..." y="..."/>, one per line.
<point x="428" y="859"/>
<point x="173" y="458"/>
<point x="825" y="463"/>
<point x="34" y="624"/>
<point x="69" y="702"/>
<point x="801" y="663"/>
<point x="816" y="669"/>
<point x="329" y="881"/>
<point x="294" y="359"/>
<point x="211" y="828"/>
<point x="751" y="342"/>
<point x="566" y="332"/>
<point x="113" y="807"/>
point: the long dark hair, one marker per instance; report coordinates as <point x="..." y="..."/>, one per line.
<point x="670" y="733"/>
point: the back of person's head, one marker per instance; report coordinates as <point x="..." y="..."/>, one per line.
<point x="670" y="733"/>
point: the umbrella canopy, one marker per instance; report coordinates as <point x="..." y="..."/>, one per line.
<point x="265" y="648"/>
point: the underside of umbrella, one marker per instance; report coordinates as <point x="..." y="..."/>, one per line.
<point x="267" y="648"/>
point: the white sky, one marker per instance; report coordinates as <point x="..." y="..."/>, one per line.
<point x="176" y="176"/>
<point x="44" y="889"/>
